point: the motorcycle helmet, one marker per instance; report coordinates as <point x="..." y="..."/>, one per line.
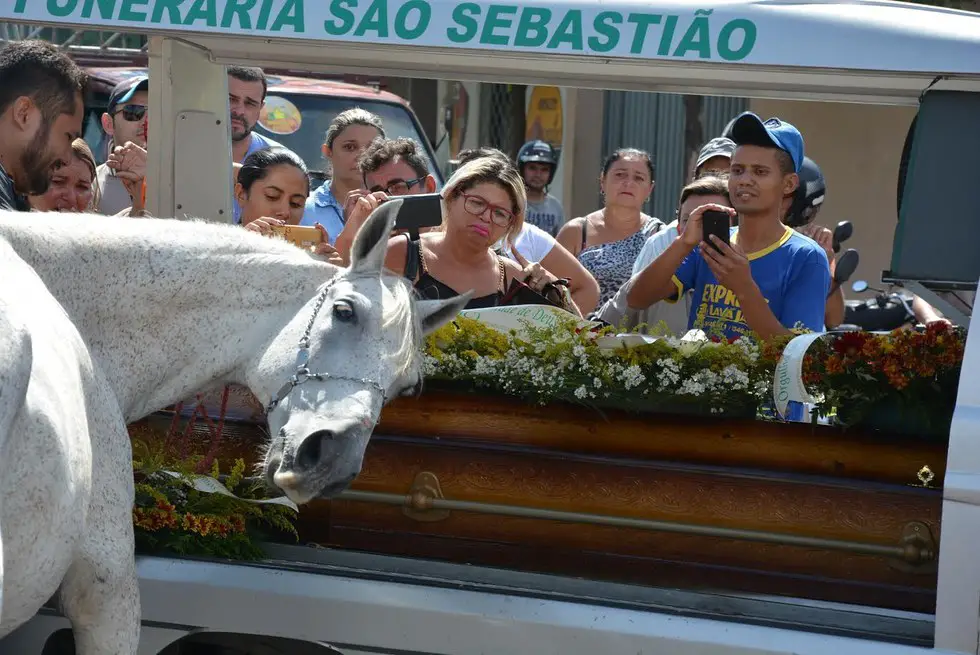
<point x="808" y="197"/>
<point x="537" y="151"/>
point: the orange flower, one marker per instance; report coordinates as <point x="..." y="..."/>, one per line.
<point x="834" y="365"/>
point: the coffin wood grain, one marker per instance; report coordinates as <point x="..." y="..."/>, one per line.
<point x="820" y="450"/>
<point x="794" y="479"/>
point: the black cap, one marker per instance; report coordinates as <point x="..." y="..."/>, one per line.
<point x="123" y="92"/>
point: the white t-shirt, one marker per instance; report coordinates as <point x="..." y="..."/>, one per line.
<point x="655" y="246"/>
<point x="532" y="242"/>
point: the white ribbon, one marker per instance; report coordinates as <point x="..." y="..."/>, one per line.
<point x="787" y="383"/>
<point x="209" y="485"/>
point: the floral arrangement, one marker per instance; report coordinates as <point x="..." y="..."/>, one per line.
<point x="564" y="363"/>
<point x="907" y="375"/>
<point x="852" y="374"/>
<point x="188" y="504"/>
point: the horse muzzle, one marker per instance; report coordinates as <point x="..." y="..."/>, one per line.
<point x="323" y="463"/>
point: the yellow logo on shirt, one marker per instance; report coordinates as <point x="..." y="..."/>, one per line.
<point x="718" y="303"/>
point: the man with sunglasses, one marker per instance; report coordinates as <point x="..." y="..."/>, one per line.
<point x="125" y="122"/>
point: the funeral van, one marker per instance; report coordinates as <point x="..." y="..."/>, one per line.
<point x="489" y="527"/>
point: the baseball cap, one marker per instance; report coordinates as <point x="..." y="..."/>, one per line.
<point x="123" y="92"/>
<point x="717" y="147"/>
<point x="749" y="129"/>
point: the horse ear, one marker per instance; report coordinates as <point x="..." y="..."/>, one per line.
<point x="371" y="242"/>
<point x="436" y="313"/>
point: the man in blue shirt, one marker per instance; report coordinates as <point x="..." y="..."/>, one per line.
<point x="771" y="279"/>
<point x="247" y="88"/>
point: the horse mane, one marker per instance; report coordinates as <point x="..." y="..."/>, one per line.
<point x="402" y="312"/>
<point x="195" y="236"/>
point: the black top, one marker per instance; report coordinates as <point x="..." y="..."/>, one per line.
<point x="432" y="289"/>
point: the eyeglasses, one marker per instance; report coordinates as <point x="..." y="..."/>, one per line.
<point x="398" y="187"/>
<point x="132" y="113"/>
<point x="477" y="206"/>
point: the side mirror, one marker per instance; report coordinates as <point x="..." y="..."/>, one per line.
<point x="842" y="233"/>
<point x="859" y="286"/>
<point x="846" y="265"/>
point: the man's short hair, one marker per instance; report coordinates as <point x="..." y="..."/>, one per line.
<point x="466" y="156"/>
<point x="382" y="151"/>
<point x="706" y="185"/>
<point x="250" y="74"/>
<point x="38" y="70"/>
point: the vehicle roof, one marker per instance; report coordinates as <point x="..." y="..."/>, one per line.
<point x="113" y="75"/>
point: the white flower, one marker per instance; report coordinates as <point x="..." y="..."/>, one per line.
<point x="632" y="376"/>
<point x="669" y="373"/>
<point x="597" y="383"/>
<point x="734" y="378"/>
<point x="582" y="393"/>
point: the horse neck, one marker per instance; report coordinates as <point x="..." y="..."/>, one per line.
<point x="168" y="308"/>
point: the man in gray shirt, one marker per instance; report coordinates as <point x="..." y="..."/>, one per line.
<point x="125" y="121"/>
<point x="537" y="162"/>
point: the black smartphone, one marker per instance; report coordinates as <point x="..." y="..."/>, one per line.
<point x="716" y="223"/>
<point x="419" y="211"/>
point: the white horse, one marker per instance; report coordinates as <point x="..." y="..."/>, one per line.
<point x="164" y="308"/>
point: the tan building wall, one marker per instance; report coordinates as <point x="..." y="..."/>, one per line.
<point x="858" y="148"/>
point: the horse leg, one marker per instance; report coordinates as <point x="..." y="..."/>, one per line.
<point x="16" y="361"/>
<point x="99" y="594"/>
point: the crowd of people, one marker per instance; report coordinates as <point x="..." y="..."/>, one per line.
<point x="501" y="234"/>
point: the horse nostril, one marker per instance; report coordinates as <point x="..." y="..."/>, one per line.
<point x="308" y="453"/>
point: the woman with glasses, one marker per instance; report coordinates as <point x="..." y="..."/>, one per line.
<point x="483" y="202"/>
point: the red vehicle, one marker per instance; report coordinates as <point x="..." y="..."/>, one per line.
<point x="297" y="113"/>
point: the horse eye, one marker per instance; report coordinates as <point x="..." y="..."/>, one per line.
<point x="343" y="311"/>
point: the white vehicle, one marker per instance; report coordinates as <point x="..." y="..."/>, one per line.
<point x="326" y="600"/>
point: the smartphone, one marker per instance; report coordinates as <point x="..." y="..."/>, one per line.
<point x="301" y="235"/>
<point x="716" y="223"/>
<point x="419" y="211"/>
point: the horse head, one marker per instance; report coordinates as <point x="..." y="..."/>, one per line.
<point x="329" y="372"/>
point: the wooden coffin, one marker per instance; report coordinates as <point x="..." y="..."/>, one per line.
<point x="687" y="473"/>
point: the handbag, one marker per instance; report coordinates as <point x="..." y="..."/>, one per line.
<point x="554" y="293"/>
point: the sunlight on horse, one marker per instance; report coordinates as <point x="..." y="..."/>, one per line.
<point x="165" y="308"/>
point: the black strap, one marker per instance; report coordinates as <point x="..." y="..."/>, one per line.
<point x="413" y="259"/>
<point x="585" y="224"/>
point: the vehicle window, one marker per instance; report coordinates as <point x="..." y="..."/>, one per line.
<point x="318" y="111"/>
<point x="93" y="134"/>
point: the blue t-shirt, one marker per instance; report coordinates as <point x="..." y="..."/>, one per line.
<point x="257" y="143"/>
<point x="323" y="208"/>
<point x="793" y="275"/>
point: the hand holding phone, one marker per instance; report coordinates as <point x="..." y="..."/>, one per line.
<point x="301" y="235"/>
<point x="696" y="230"/>
<point x="716" y="223"/>
<point x="419" y="211"/>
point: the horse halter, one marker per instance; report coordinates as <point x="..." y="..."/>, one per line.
<point x="303" y="374"/>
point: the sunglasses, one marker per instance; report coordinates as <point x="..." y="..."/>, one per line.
<point x="132" y="113"/>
